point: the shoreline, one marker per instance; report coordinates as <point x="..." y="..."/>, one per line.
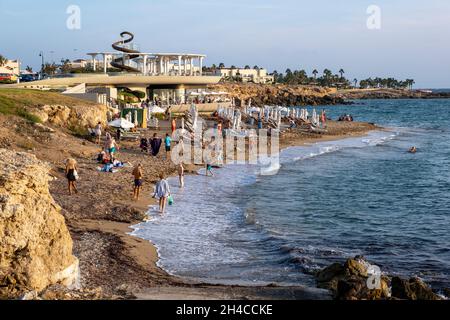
<point x="148" y="246"/>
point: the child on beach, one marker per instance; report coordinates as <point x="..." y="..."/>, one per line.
<point x="137" y="173"/>
<point x="209" y="170"/>
<point x="167" y="142"/>
<point x="181" y="174"/>
<point x="71" y="174"/>
<point x="162" y="191"/>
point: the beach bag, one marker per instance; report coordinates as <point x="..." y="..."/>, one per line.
<point x="170" y="200"/>
<point x="75" y="175"/>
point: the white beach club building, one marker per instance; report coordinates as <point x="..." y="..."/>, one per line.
<point x="154" y="64"/>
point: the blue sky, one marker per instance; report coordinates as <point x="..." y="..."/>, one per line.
<point x="413" y="41"/>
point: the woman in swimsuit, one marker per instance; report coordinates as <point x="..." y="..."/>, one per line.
<point x="71" y="174"/>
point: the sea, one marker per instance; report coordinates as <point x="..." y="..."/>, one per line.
<point x="328" y="202"/>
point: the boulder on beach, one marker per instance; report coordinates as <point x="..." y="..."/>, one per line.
<point x="35" y="244"/>
<point x="349" y="281"/>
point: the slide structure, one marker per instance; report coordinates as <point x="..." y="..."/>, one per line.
<point x="129" y="54"/>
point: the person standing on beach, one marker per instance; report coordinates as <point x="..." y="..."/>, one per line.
<point x="98" y="132"/>
<point x="107" y="141"/>
<point x="118" y="134"/>
<point x="174" y="125"/>
<point x="162" y="191"/>
<point x="181" y="174"/>
<point x="168" y="142"/>
<point x="324" y="117"/>
<point x="72" y="174"/>
<point x="137" y="173"/>
<point x="112" y="148"/>
<point x="155" y="143"/>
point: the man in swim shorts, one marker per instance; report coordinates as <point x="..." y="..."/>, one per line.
<point x="137" y="173"/>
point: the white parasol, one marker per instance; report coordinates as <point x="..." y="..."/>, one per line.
<point x="121" y="123"/>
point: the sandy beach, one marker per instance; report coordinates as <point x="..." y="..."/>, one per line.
<point x="99" y="218"/>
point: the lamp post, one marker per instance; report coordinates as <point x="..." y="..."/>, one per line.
<point x="41" y="54"/>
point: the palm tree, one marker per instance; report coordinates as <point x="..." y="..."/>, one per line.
<point x="355" y="81"/>
<point x="221" y="65"/>
<point x="410" y="83"/>
<point x="247" y="67"/>
<point x="233" y="67"/>
<point x="3" y="60"/>
<point x="315" y="73"/>
<point x="214" y="67"/>
<point x="29" y="69"/>
<point x="342" y="72"/>
<point x="256" y="67"/>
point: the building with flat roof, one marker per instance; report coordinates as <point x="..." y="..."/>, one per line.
<point x="151" y="64"/>
<point x="259" y="75"/>
<point x="11" y="68"/>
<point x="163" y="77"/>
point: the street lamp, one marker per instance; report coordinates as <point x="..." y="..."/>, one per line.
<point x="41" y="54"/>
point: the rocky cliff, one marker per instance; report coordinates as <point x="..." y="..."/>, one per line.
<point x="279" y="94"/>
<point x="35" y="244"/>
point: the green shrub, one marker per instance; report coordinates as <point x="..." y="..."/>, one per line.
<point x="78" y="131"/>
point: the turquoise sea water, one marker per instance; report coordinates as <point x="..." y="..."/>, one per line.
<point x="329" y="201"/>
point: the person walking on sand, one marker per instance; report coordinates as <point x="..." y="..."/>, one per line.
<point x="137" y="173"/>
<point x="162" y="191"/>
<point x="181" y="174"/>
<point x="98" y="132"/>
<point x="72" y="174"/>
<point x="168" y="142"/>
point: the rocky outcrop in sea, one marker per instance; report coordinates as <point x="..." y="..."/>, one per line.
<point x="357" y="279"/>
<point x="279" y="94"/>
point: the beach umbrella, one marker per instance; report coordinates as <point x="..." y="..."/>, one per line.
<point x="156" y="109"/>
<point x="121" y="123"/>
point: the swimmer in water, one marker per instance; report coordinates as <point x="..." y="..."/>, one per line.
<point x="413" y="150"/>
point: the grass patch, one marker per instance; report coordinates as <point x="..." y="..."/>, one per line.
<point x="14" y="101"/>
<point x="9" y="107"/>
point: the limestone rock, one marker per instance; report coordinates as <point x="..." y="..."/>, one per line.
<point x="279" y="94"/>
<point x="35" y="244"/>
<point x="350" y="281"/>
<point x="412" y="289"/>
<point x="64" y="116"/>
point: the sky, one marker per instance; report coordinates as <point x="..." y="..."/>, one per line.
<point x="412" y="41"/>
